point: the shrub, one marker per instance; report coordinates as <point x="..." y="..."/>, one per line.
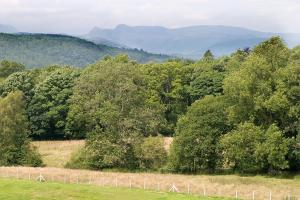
<point x="152" y="154"/>
<point x="251" y="149"/>
<point x="79" y="160"/>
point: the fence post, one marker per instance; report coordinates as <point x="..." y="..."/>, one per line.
<point x="236" y="194"/>
<point x="204" y="191"/>
<point x="158" y="186"/>
<point x="77" y="180"/>
<point x="130" y="184"/>
<point x="116" y="181"/>
<point x="188" y="188"/>
<point x="17" y="172"/>
<point x="253" y="195"/>
<point x="144" y="184"/>
<point x="270" y="195"/>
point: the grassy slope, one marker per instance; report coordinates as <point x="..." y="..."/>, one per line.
<point x="25" y="190"/>
<point x="37" y="50"/>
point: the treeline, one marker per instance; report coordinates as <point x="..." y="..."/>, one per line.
<point x="239" y="112"/>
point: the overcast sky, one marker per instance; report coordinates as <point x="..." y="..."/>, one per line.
<point x="79" y="16"/>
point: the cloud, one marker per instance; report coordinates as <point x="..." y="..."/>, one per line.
<point x="78" y="16"/>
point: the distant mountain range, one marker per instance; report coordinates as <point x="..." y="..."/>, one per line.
<point x="189" y="42"/>
<point x="7" y="29"/>
<point x="38" y="50"/>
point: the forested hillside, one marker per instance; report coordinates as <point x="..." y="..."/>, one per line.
<point x="240" y="112"/>
<point x="38" y="50"/>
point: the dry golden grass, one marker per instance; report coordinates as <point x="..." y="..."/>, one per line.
<point x="167" y="142"/>
<point x="57" y="153"/>
<point x="225" y="186"/>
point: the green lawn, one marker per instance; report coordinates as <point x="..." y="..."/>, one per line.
<point x="27" y="190"/>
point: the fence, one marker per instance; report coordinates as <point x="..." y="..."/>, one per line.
<point x="203" y="186"/>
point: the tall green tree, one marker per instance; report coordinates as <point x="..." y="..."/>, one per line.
<point x="207" y="79"/>
<point x="111" y="104"/>
<point x="15" y="148"/>
<point x="49" y="106"/>
<point x="195" y="146"/>
<point x="254" y="90"/>
<point x="22" y="81"/>
<point x="208" y="56"/>
<point x="169" y="83"/>
<point x="9" y="67"/>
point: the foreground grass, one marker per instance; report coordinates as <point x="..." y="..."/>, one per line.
<point x="27" y="190"/>
<point x="214" y="185"/>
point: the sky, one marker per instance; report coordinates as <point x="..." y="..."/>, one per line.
<point x="80" y="16"/>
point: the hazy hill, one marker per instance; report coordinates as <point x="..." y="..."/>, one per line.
<point x="7" y="29"/>
<point x="188" y="41"/>
<point x="36" y="50"/>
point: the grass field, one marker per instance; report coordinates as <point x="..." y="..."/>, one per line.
<point x="214" y="185"/>
<point x="29" y="190"/>
<point x="56" y="153"/>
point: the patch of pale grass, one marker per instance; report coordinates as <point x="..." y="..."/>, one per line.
<point x="167" y="142"/>
<point x="57" y="153"/>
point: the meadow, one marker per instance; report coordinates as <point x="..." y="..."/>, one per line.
<point x="230" y="186"/>
<point x="56" y="153"/>
<point x="28" y="190"/>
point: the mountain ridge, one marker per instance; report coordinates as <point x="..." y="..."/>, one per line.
<point x="189" y="41"/>
<point x="7" y="29"/>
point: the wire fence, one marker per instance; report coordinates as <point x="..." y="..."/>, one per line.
<point x="153" y="182"/>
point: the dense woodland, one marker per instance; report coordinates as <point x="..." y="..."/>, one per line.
<point x="38" y="50"/>
<point x="239" y="112"/>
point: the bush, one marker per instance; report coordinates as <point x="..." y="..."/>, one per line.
<point x="152" y="154"/>
<point x="251" y="149"/>
<point x="79" y="160"/>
